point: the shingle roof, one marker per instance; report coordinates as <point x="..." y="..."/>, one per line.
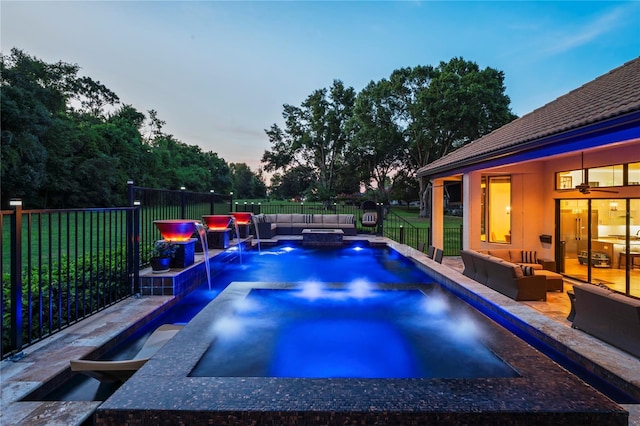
<point x="610" y="95"/>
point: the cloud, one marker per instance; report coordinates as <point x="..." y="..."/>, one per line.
<point x="592" y="30"/>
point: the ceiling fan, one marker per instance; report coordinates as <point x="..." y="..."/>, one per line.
<point x="584" y="187"/>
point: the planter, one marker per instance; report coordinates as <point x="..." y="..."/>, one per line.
<point x="160" y="264"/>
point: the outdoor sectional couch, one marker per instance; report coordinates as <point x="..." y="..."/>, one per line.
<point x="293" y="223"/>
<point x="504" y="277"/>
<point x="610" y="316"/>
<point x="528" y="258"/>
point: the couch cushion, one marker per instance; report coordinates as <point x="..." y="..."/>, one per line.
<point x="284" y="218"/>
<point x="298" y="218"/>
<point x="271" y="218"/>
<point x="330" y="219"/>
<point x="500" y="253"/>
<point x="346" y="219"/>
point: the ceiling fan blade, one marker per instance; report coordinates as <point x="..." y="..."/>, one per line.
<point x="604" y="190"/>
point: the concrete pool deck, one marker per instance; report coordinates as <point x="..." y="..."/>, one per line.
<point x="47" y="361"/>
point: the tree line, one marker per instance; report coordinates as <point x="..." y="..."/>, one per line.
<point x="338" y="139"/>
<point x="67" y="141"/>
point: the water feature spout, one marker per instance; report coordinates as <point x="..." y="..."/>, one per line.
<point x="255" y="226"/>
<point x="235" y="224"/>
<point x="202" y="232"/>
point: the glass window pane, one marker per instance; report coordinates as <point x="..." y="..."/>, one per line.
<point x="569" y="179"/>
<point x="500" y="209"/>
<point x="634" y="174"/>
<point x="634" y="231"/>
<point x="606" y="176"/>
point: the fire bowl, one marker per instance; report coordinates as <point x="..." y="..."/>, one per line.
<point x="176" y="230"/>
<point x="217" y="222"/>
<point x="242" y="218"/>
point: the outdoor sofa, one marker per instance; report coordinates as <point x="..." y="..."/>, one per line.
<point x="610" y="316"/>
<point x="529" y="258"/>
<point x="504" y="277"/>
<point x="270" y="225"/>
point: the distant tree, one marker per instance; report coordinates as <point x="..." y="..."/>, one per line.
<point x="378" y="142"/>
<point x="442" y="108"/>
<point x="405" y="187"/>
<point x="295" y="182"/>
<point x="246" y="183"/>
<point x="316" y="136"/>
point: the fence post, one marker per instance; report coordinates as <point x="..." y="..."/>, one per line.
<point x="401" y="234"/>
<point x="131" y="191"/>
<point x="212" y="202"/>
<point x="136" y="249"/>
<point x="16" y="275"/>
<point x="231" y="202"/>
<point x="183" y="203"/>
<point x="380" y="218"/>
<point x="461" y="236"/>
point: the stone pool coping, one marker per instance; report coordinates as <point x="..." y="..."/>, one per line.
<point x="162" y="392"/>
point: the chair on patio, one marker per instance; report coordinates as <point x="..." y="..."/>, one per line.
<point x="120" y="371"/>
<point x="431" y="250"/>
<point x="369" y="219"/>
<point x="438" y="255"/>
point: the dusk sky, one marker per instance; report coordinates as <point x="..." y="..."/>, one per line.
<point x="219" y="72"/>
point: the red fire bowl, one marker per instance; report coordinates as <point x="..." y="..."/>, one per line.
<point x="176" y="230"/>
<point x="242" y="218"/>
<point x="217" y="222"/>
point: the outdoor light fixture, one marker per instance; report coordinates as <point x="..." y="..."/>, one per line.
<point x="182" y="188"/>
<point x="15" y="202"/>
<point x="137" y="203"/>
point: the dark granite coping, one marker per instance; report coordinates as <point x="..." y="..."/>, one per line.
<point x="163" y="392"/>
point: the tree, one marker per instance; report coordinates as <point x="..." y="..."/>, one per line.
<point x="316" y="136"/>
<point x="378" y="142"/>
<point x="246" y="183"/>
<point x="295" y="182"/>
<point x="446" y="107"/>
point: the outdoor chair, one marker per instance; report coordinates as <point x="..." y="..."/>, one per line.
<point x="431" y="250"/>
<point x="369" y="219"/>
<point x="438" y="255"/>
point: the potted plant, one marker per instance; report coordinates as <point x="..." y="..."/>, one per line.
<point x="161" y="254"/>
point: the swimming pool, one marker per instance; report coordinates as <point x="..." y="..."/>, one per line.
<point x="165" y="388"/>
<point x="350" y="331"/>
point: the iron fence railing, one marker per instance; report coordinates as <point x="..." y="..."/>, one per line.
<point x="60" y="266"/>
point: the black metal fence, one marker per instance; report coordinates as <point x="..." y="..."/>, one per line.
<point x="60" y="266"/>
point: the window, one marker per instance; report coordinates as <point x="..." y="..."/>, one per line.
<point x="633" y="174"/>
<point x="600" y="176"/>
<point x="569" y="179"/>
<point x="496" y="220"/>
<point x="606" y="176"/>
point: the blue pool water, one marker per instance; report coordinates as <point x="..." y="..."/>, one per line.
<point x="293" y="263"/>
<point x="355" y="331"/>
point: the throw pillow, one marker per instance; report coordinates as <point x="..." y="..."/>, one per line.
<point x="529" y="257"/>
<point x="527" y="270"/>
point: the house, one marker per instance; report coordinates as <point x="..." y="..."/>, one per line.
<point x="563" y="180"/>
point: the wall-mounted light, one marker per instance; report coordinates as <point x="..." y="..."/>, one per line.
<point x="613" y="206"/>
<point x="508" y="209"/>
<point x="15" y="202"/>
